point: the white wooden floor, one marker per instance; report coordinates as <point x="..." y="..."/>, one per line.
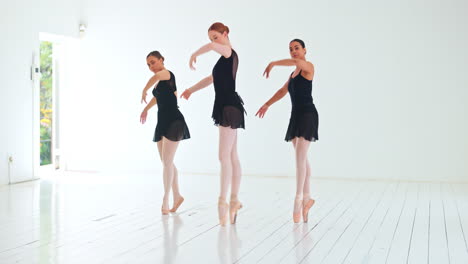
<point x="93" y="218"/>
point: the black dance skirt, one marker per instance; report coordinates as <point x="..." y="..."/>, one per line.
<point x="303" y="123"/>
<point x="171" y="125"/>
<point x="229" y="113"/>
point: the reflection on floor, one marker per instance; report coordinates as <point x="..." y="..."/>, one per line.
<point x="95" y="218"/>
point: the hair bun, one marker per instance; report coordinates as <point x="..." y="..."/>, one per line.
<point x="219" y="27"/>
<point x="156" y="54"/>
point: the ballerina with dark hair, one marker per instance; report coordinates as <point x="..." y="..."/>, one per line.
<point x="171" y="127"/>
<point x="303" y="124"/>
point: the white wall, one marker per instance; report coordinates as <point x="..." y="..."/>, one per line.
<point x="20" y="24"/>
<point x="390" y="85"/>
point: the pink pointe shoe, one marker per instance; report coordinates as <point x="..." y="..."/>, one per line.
<point x="306" y="208"/>
<point x="297" y="215"/>
<point x="234" y="206"/>
<point x="223" y="209"/>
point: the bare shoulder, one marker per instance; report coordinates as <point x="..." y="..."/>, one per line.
<point x="309" y="71"/>
<point x="163" y="75"/>
<point x="309" y="67"/>
<point x="224" y="50"/>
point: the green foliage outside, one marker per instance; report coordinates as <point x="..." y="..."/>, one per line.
<point x="46" y="103"/>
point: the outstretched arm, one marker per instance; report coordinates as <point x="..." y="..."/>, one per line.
<point x="224" y="50"/>
<point x="276" y="97"/>
<point x="198" y="86"/>
<point x="305" y="66"/>
<point x="159" y="76"/>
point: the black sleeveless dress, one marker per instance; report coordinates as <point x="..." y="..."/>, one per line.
<point x="171" y="122"/>
<point x="304" y="116"/>
<point x="228" y="109"/>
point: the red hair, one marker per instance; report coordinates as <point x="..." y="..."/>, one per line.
<point x="219" y="27"/>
